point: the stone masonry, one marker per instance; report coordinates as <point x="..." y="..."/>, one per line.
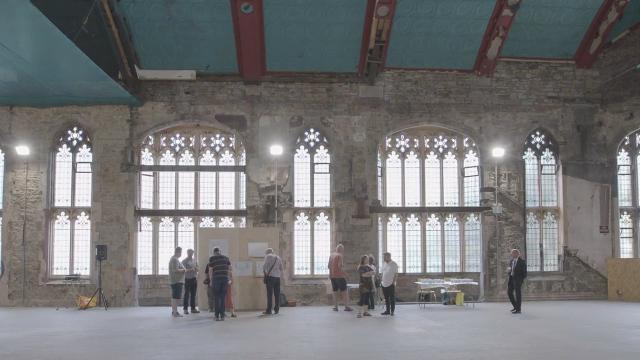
<point x="587" y="111"/>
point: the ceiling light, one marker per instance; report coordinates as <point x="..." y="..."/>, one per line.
<point x="276" y="149"/>
<point x="23" y="150"/>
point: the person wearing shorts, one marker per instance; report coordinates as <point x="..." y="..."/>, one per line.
<point x="338" y="278"/>
<point x="176" y="281"/>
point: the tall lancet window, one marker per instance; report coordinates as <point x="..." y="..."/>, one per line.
<point x="71" y="194"/>
<point x="628" y="159"/>
<point x="312" y="199"/>
<point x="541" y="167"/>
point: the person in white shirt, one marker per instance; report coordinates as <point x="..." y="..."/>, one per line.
<point x="389" y="270"/>
<point x="272" y="270"/>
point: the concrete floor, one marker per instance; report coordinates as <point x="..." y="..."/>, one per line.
<point x="546" y="330"/>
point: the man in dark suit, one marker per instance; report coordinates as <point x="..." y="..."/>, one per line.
<point x="517" y="274"/>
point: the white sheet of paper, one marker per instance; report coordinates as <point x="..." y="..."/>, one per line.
<point x="222" y="244"/>
<point x="259" y="266"/>
<point x="257" y="249"/>
<point x="243" y="268"/>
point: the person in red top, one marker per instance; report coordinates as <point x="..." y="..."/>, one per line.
<point x="338" y="278"/>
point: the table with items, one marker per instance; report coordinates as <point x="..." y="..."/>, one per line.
<point x="442" y="291"/>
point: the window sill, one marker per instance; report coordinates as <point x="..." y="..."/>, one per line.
<point x="57" y="282"/>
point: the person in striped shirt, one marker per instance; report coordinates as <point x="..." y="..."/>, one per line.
<point x="220" y="278"/>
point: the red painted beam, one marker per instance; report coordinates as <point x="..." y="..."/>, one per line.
<point x="388" y="18"/>
<point x="495" y="36"/>
<point x="375" y="42"/>
<point x="248" y="26"/>
<point x="608" y="15"/>
<point x="366" y="36"/>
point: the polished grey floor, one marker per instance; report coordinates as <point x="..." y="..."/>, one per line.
<point x="546" y="330"/>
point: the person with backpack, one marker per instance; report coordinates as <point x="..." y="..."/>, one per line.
<point x="272" y="270"/>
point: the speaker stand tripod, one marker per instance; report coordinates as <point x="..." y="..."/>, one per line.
<point x="101" y="298"/>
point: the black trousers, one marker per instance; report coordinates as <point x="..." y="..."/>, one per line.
<point x="211" y="298"/>
<point x="190" y="289"/>
<point x="273" y="294"/>
<point x="389" y="293"/>
<point x="372" y="299"/>
<point x="515" y="292"/>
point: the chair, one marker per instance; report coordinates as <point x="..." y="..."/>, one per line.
<point x="425" y="293"/>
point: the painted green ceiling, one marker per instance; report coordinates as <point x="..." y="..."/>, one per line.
<point x="182" y="34"/>
<point x="438" y="34"/>
<point x="314" y="36"/>
<point x="630" y="18"/>
<point x="550" y="28"/>
<point x="40" y="66"/>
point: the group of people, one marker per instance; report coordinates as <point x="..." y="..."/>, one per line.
<point x="218" y="279"/>
<point x="370" y="280"/>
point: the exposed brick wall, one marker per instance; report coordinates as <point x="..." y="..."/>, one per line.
<point x="355" y="117"/>
<point x="619" y="72"/>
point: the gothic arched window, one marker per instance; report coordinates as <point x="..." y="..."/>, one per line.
<point x="428" y="167"/>
<point x="312" y="196"/>
<point x="628" y="160"/>
<point x="72" y="191"/>
<point x="183" y="171"/>
<point x="541" y="168"/>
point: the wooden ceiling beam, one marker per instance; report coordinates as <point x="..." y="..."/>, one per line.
<point x="248" y="26"/>
<point x="123" y="48"/>
<point x="607" y="16"/>
<point x="495" y="36"/>
<point x="375" y="46"/>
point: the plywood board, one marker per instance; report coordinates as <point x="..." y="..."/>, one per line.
<point x="257" y="249"/>
<point x="243" y="268"/>
<point x="624" y="279"/>
<point x="249" y="292"/>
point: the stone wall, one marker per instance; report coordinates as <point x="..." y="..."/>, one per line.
<point x="566" y="101"/>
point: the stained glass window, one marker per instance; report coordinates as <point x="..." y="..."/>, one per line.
<point x="472" y="244"/>
<point x="434" y="244"/>
<point x="312" y="175"/>
<point x="302" y="245"/>
<point x="72" y="196"/>
<point x="628" y="161"/>
<point x="533" y="242"/>
<point x="451" y="244"/>
<point x="312" y="191"/>
<point x="541" y="198"/>
<point x="145" y="246"/>
<point x="394" y="240"/>
<point x="626" y="235"/>
<point x="182" y="176"/>
<point x="321" y="244"/>
<point x="413" y="233"/>
<point x="430" y="167"/>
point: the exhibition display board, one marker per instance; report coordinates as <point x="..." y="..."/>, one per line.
<point x="245" y="248"/>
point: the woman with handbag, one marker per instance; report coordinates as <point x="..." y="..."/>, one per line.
<point x="376" y="282"/>
<point x="366" y="285"/>
<point x="228" y="300"/>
